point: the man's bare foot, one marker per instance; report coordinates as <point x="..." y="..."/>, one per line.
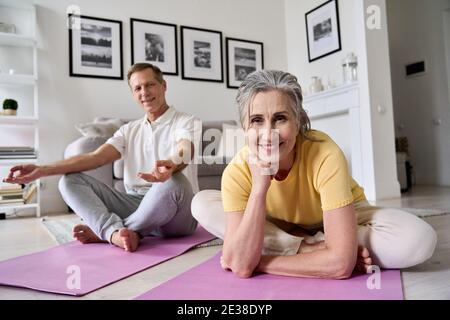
<point x="364" y="261"/>
<point x="84" y="234"/>
<point x="126" y="239"/>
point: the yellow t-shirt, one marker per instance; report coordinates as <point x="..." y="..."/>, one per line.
<point x="318" y="181"/>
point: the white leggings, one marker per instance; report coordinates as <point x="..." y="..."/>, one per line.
<point x="395" y="239"/>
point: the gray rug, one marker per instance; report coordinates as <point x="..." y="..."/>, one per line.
<point x="426" y="212"/>
<point x="60" y="229"/>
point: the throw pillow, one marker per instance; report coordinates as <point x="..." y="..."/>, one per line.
<point x="101" y="127"/>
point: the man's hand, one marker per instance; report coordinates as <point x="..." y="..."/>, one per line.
<point x="26" y="174"/>
<point x="161" y="172"/>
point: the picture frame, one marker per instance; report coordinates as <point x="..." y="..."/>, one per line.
<point x="201" y="54"/>
<point x="95" y="47"/>
<point x="243" y="57"/>
<point x="156" y="43"/>
<point x="323" y="31"/>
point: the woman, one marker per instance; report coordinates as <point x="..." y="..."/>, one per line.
<point x="290" y="182"/>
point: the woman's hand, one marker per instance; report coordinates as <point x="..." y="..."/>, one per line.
<point x="26" y="174"/>
<point x="261" y="170"/>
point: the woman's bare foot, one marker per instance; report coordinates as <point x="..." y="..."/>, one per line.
<point x="84" y="234"/>
<point x="364" y="260"/>
<point x="126" y="239"/>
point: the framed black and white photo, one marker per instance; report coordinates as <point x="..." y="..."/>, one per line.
<point x="243" y="57"/>
<point x="95" y="47"/>
<point x="322" y="30"/>
<point x="201" y="54"/>
<point x="156" y="43"/>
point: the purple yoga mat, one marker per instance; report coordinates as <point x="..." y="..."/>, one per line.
<point x="208" y="281"/>
<point x="77" y="269"/>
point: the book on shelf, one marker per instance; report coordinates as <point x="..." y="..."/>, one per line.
<point x="29" y="193"/>
<point x="12" y="201"/>
<point x="11" y="193"/>
<point x="17" y="152"/>
<point x="16" y="148"/>
<point x="13" y="148"/>
<point x="18" y="194"/>
<point x="18" y="156"/>
<point x="12" y="196"/>
<point x="11" y="187"/>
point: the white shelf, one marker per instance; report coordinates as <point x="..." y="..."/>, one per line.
<point x="9" y="162"/>
<point x="23" y="16"/>
<point x="18" y="206"/>
<point x="17" y="40"/>
<point x="330" y="92"/>
<point x="17" y="79"/>
<point x="16" y="120"/>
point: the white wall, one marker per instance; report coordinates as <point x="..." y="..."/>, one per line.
<point x="66" y="101"/>
<point x="371" y="46"/>
<point x="416" y="33"/>
<point x="297" y="51"/>
<point x="377" y="119"/>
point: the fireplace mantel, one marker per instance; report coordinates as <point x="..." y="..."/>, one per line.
<point x="338" y="110"/>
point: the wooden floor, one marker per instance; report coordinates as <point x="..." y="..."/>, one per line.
<point x="431" y="280"/>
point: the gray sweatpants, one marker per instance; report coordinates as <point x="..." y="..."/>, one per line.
<point x="164" y="211"/>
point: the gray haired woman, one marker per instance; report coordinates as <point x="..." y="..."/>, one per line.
<point x="290" y="183"/>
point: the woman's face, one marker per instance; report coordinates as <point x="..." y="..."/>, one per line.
<point x="272" y="127"/>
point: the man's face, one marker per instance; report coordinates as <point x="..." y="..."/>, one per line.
<point x="147" y="91"/>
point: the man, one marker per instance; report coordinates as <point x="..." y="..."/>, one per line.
<point x="155" y="149"/>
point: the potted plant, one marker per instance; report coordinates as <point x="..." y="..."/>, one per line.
<point x="10" y="107"/>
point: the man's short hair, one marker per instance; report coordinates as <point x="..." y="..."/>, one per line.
<point x="142" y="66"/>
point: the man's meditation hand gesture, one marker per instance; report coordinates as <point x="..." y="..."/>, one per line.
<point x="26" y="174"/>
<point x="162" y="171"/>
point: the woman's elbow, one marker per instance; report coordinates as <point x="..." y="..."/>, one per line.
<point x="243" y="272"/>
<point x="241" y="269"/>
<point x="343" y="269"/>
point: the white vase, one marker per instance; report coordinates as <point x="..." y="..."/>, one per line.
<point x="316" y="85"/>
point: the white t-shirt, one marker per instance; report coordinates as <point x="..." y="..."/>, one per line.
<point x="142" y="142"/>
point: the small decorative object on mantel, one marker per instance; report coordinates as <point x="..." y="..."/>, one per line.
<point x="7" y="27"/>
<point x="316" y="85"/>
<point x="330" y="84"/>
<point x="10" y="107"/>
<point x="349" y="68"/>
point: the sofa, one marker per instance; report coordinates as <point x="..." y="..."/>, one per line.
<point x="211" y="160"/>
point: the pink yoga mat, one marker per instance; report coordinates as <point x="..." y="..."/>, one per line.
<point x="208" y="281"/>
<point x="77" y="269"/>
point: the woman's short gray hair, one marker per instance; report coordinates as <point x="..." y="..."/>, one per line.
<point x="267" y="80"/>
